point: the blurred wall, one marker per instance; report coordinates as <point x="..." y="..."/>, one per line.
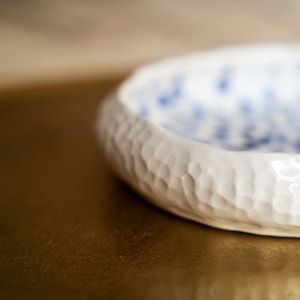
<point x="50" y="41"/>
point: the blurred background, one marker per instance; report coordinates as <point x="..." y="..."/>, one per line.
<point x="55" y="41"/>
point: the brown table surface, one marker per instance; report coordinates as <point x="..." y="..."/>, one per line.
<point x="69" y="229"/>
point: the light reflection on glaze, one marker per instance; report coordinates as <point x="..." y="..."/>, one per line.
<point x="287" y="170"/>
<point x="287" y="174"/>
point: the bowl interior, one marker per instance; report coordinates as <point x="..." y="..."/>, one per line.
<point x="245" y="99"/>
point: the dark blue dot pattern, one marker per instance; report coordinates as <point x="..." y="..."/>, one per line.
<point x="248" y="107"/>
<point x="223" y="84"/>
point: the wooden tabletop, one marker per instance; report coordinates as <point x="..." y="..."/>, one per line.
<point x="45" y="41"/>
<point x="69" y="229"/>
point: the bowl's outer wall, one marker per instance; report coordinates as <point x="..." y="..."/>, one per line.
<point x="236" y="190"/>
<point x="243" y="191"/>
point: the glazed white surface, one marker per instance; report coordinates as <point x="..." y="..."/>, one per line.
<point x="252" y="191"/>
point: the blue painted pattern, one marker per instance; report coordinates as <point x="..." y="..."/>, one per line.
<point x="231" y="108"/>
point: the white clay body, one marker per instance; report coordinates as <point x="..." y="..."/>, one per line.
<point x="255" y="191"/>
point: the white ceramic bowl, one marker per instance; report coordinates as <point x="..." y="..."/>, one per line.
<point x="213" y="137"/>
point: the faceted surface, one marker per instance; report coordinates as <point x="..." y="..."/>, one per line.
<point x="243" y="191"/>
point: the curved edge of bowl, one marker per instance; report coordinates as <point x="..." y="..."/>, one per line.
<point x="244" y="191"/>
<point x="228" y="190"/>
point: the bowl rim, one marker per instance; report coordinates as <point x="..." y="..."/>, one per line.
<point x="169" y="65"/>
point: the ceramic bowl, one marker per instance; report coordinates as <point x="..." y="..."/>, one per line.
<point x="213" y="137"/>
